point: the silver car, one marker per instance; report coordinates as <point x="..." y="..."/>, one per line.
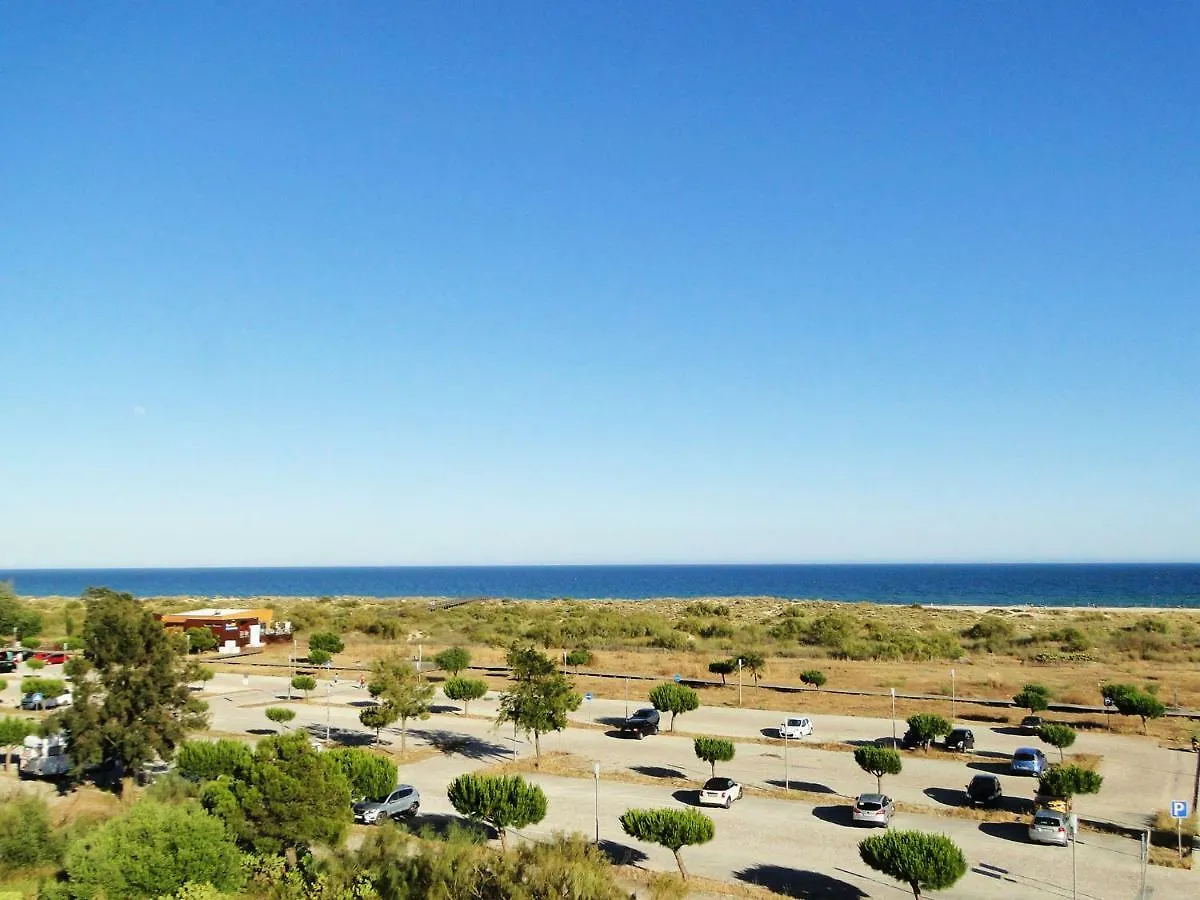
<point x="405" y="800"/>
<point x="1049" y="827"/>
<point x="874" y="809"/>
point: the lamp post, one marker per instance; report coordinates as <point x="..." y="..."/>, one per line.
<point x="893" y="717"/>
<point x="953" y="697"/>
<point x="787" y="783"/>
<point x="739" y="681"/>
<point x="596" y="778"/>
<point x="627" y="696"/>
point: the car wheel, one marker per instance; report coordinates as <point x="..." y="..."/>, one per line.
<point x="728" y="801"/>
<point x="638" y="735"/>
<point x="414" y="809"/>
<point x="382" y="818"/>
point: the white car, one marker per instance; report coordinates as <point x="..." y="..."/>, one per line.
<point x="796" y="727"/>
<point x="720" y="792"/>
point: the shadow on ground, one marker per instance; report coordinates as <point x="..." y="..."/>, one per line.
<point x="261" y="731"/>
<point x="691" y="798"/>
<point x="950" y="797"/>
<point x="622" y="855"/>
<point x="657" y="771"/>
<point x="346" y="737"/>
<point x="441" y="825"/>
<point x="462" y="744"/>
<point x="444" y="708"/>
<point x="992" y="768"/>
<point x="1006" y="831"/>
<point x="835" y="815"/>
<point x="799" y="883"/>
<point x="1012" y="731"/>
<point x="812" y="787"/>
<point x="772" y="732"/>
<point x="625" y="735"/>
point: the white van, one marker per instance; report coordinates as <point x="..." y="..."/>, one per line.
<point x="795" y="727"/>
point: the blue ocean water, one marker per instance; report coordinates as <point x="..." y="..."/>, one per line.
<point x="1168" y="585"/>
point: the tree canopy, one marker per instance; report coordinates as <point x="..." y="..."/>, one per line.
<point x="722" y="667"/>
<point x="922" y="861"/>
<point x="670" y="828"/>
<point x="371" y="776"/>
<point x="674" y="698"/>
<point x="1067" y="781"/>
<point x="813" y="677"/>
<point x="1129" y="700"/>
<point x="17" y="616"/>
<point x="925" y="727"/>
<point x="1033" y="697"/>
<point x="327" y="641"/>
<point x="1060" y="736"/>
<point x="878" y="761"/>
<point x="754" y="663"/>
<point x="539" y="698"/>
<point x="378" y="717"/>
<point x="200" y="640"/>
<point x="713" y="750"/>
<point x="206" y="760"/>
<point x="452" y="660"/>
<point x="502" y="801"/>
<point x="13" y="731"/>
<point x="401" y="686"/>
<point x="464" y="690"/>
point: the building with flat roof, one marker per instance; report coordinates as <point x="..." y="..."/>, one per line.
<point x="234" y="629"/>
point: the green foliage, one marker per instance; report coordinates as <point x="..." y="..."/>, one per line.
<point x="17" y="615"/>
<point x="813" y="677"/>
<point x="378" y="717"/>
<point x="754" y="663"/>
<point x="722" y="667"/>
<point x="670" y="828"/>
<point x="327" y="641"/>
<point x="878" y="761"/>
<point x="1067" y="781"/>
<point x="200" y="640"/>
<point x="305" y="683"/>
<point x="502" y="801"/>
<point x="674" y="698"/>
<point x="290" y="798"/>
<point x="579" y="657"/>
<point x="926" y="727"/>
<point x="452" y="660"/>
<point x="713" y="750"/>
<point x="922" y="861"/>
<point x="47" y="687"/>
<point x="403" y="689"/>
<point x="280" y="715"/>
<point x="35" y="664"/>
<point x="464" y="690"/>
<point x="1130" y="701"/>
<point x="371" y="776"/>
<point x="1033" y="697"/>
<point x="1060" y="736"/>
<point x="539" y="698"/>
<point x="136" y="706"/>
<point x="26" y="837"/>
<point x="195" y="671"/>
<point x="152" y="848"/>
<point x="206" y="760"/>
<point x="319" y="657"/>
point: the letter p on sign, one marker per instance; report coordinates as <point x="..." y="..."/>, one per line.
<point x="1179" y="809"/>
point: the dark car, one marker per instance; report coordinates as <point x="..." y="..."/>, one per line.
<point x="642" y="723"/>
<point x="984" y="790"/>
<point x="7" y="665"/>
<point x="960" y="739"/>
<point x="1031" y="724"/>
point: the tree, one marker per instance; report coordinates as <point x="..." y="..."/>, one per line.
<point x="35" y="665"/>
<point x="47" y="687"/>
<point x="814" y="677"/>
<point x="371" y="776"/>
<point x="12" y="732"/>
<point x="579" y="657"/>
<point x="1060" y="736"/>
<point x="135" y="706"/>
<point x="195" y="671"/>
<point x="722" y="667"/>
<point x="927" y="726"/>
<point x="200" y="640"/>
<point x="1033" y="697"/>
<point x="452" y="660"/>
<point x="290" y="798"/>
<point x="502" y="801"/>
<point x="305" y="683"/>
<point x="17" y="616"/>
<point x="402" y="687"/>
<point x="754" y="664"/>
<point x="1131" y="701"/>
<point x="878" y="761"/>
<point x="713" y="750"/>
<point x="1066" y="781"/>
<point x="378" y="717"/>
<point x="674" y="698"/>
<point x="539" y="698"/>
<point x="922" y="861"/>
<point x="27" y="838"/>
<point x="464" y="690"/>
<point x="670" y="828"/>
<point x="319" y="657"/>
<point x="280" y="715"/>
<point x="327" y="641"/>
<point x="152" y="849"/>
<point x="206" y="760"/>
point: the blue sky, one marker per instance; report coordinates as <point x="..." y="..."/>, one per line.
<point x="536" y="282"/>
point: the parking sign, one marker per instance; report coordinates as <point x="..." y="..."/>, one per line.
<point x="1179" y="809"/>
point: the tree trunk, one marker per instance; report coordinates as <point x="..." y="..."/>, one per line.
<point x="7" y="757"/>
<point x="722" y="679"/>
<point x="403" y="734"/>
<point x="537" y="748"/>
<point x="878" y="783"/>
<point x="503" y="839"/>
<point x="714" y="769"/>
<point x="916" y="886"/>
<point x="679" y="862"/>
<point x="672" y="728"/>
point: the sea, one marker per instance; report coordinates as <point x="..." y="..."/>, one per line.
<point x="1168" y="585"/>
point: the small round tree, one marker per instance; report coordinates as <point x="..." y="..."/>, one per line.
<point x="1060" y="736"/>
<point x="452" y="660"/>
<point x="713" y="750"/>
<point x="922" y="861"/>
<point x="755" y="664"/>
<point x="371" y="776"/>
<point x="327" y="641"/>
<point x="464" y="690"/>
<point x="378" y="717"/>
<point x="580" y="656"/>
<point x="502" y="801"/>
<point x="319" y="657"/>
<point x="670" y="828"/>
<point x="35" y="665"/>
<point x="925" y="727"/>
<point x="878" y="761"/>
<point x="1064" y="782"/>
<point x="722" y="667"/>
<point x="200" y="640"/>
<point x="674" y="698"/>
<point x="280" y="715"/>
<point x="304" y="683"/>
<point x="1033" y="697"/>
<point x="813" y="677"/>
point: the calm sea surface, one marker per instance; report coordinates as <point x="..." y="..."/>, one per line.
<point x="1175" y="585"/>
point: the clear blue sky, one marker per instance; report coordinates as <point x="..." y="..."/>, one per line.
<point x="511" y="282"/>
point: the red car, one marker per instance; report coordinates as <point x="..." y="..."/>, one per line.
<point x="51" y="657"/>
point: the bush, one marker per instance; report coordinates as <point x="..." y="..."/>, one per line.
<point x="579" y="657"/>
<point x="670" y="828"/>
<point x="464" y="690"/>
<point x="452" y="660"/>
<point x="319" y="657"/>
<point x="304" y="683"/>
<point x="675" y="699"/>
<point x="813" y="677"/>
<point x="1033" y="697"/>
<point x="206" y="760"/>
<point x="713" y="750"/>
<point x="925" y="727"/>
<point x="922" y="861"/>
<point x="327" y="641"/>
<point x="371" y="776"/>
<point x="26" y="838"/>
<point x="502" y="801"/>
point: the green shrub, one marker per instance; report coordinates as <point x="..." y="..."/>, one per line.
<point x="813" y="677"/>
<point x="371" y="776"/>
<point x="713" y="750"/>
<point x="26" y="837"/>
<point x="674" y="698"/>
<point x="205" y="760"/>
<point x="502" y="801"/>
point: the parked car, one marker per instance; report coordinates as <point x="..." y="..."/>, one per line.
<point x="405" y="800"/>
<point x="150" y="772"/>
<point x="51" y="657"/>
<point x="1028" y="761"/>
<point x="795" y="727"/>
<point x="720" y="792"/>
<point x="1049" y="826"/>
<point x="874" y="809"/>
<point x="960" y="739"/>
<point x="642" y="723"/>
<point x="984" y="790"/>
<point x="6" y="666"/>
<point x="1031" y="724"/>
<point x="37" y="700"/>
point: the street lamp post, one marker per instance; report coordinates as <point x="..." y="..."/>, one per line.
<point x="893" y="717"/>
<point x="739" y="681"/>
<point x="787" y="783"/>
<point x="627" y="696"/>
<point x="596" y="778"/>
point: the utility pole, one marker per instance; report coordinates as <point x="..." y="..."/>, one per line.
<point x="627" y="696"/>
<point x="893" y="718"/>
<point x="953" y="698"/>
<point x="596" y="776"/>
<point x="739" y="681"/>
<point x="787" y="783"/>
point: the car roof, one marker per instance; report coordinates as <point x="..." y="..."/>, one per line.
<point x="984" y="777"/>
<point x="871" y="798"/>
<point x="1033" y="750"/>
<point x="1051" y="813"/>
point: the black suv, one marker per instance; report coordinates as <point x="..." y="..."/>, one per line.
<point x="984" y="790"/>
<point x="642" y="723"/>
<point x="960" y="739"/>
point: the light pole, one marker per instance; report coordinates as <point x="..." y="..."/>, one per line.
<point x="627" y="696"/>
<point x="596" y="778"/>
<point x="787" y="783"/>
<point x="953" y="697"/>
<point x="893" y="717"/>
<point x="739" y="681"/>
<point x="1073" y="825"/>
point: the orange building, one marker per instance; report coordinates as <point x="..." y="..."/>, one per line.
<point x="234" y="629"/>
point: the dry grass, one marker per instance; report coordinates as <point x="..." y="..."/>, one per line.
<point x="1169" y="857"/>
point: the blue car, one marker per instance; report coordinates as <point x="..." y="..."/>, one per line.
<point x="1028" y="761"/>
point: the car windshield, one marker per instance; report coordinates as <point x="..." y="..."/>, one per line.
<point x="982" y="783"/>
<point x="717" y="784"/>
<point x="1046" y="821"/>
<point x="643" y="714"/>
<point x="870" y="805"/>
<point x="1024" y="757"/>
